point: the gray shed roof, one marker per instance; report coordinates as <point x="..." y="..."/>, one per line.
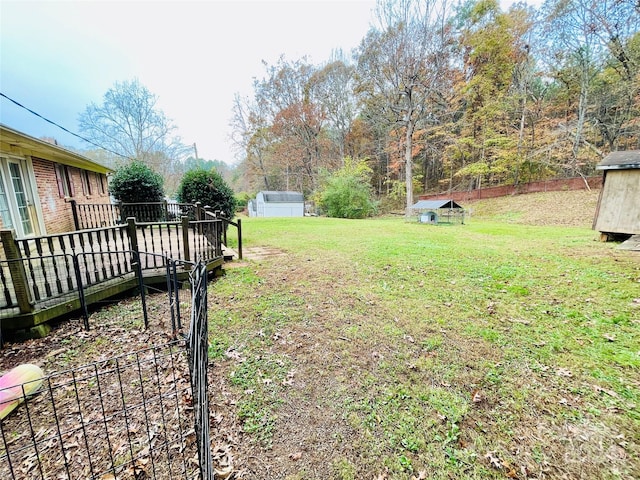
<point x="282" y="197"/>
<point x="434" y="204"/>
<point x="620" y="160"/>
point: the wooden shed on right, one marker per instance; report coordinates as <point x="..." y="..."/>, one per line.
<point x="618" y="210"/>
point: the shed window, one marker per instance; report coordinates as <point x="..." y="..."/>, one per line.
<point x="65" y="185"/>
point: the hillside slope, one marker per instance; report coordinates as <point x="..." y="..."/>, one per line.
<point x="566" y="208"/>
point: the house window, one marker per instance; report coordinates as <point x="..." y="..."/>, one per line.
<point x="100" y="182"/>
<point x="65" y="185"/>
<point x="86" y="184"/>
<point x="5" y="214"/>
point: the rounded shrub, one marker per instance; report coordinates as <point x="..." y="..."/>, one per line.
<point x="136" y="183"/>
<point x="208" y="188"/>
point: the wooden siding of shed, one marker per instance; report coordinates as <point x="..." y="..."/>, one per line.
<point x="619" y="205"/>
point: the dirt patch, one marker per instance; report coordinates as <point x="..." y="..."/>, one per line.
<point x="261" y="253"/>
<point x="116" y="395"/>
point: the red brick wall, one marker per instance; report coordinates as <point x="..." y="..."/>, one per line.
<point x="58" y="217"/>
<point x="493" y="192"/>
<point x="55" y="210"/>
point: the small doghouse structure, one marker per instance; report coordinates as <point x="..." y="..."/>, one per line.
<point x="618" y="209"/>
<point x="277" y="204"/>
<point x="438" y="211"/>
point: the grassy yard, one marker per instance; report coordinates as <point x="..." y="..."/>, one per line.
<point x="380" y="349"/>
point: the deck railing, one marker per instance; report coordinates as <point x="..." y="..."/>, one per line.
<point x="93" y="216"/>
<point x="210" y="215"/>
<point x="37" y="269"/>
<point x="97" y="215"/>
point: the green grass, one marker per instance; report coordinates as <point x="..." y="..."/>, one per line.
<point x="392" y="327"/>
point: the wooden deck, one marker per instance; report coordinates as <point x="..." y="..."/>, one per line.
<point x="53" y="276"/>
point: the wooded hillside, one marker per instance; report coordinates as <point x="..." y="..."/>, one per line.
<point x="439" y="96"/>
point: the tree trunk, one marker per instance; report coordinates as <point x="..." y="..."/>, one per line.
<point x="582" y="109"/>
<point x="408" y="162"/>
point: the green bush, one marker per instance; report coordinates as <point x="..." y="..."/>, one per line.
<point x="242" y="200"/>
<point x="136" y="183"/>
<point x="346" y="193"/>
<point x="208" y="188"/>
<point x="347" y="197"/>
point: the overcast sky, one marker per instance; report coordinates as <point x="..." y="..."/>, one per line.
<point x="56" y="57"/>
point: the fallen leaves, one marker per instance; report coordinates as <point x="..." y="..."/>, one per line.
<point x="295" y="456"/>
<point x="477" y="397"/>
<point x="493" y="460"/>
<point x="498" y="464"/>
<point x="600" y="389"/>
<point x="223" y="461"/>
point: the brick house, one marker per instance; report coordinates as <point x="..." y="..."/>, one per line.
<point x="37" y="181"/>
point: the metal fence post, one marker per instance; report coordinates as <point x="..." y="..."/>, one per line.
<point x="172" y="297"/>
<point x="81" y="298"/>
<point x="198" y="348"/>
<point x="239" y="239"/>
<point x="176" y="290"/>
<point x="143" y="297"/>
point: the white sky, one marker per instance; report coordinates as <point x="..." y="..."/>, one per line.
<point x="56" y="57"/>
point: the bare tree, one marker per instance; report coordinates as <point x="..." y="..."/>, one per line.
<point x="128" y="122"/>
<point x="402" y="66"/>
<point x="251" y="139"/>
<point x="334" y="89"/>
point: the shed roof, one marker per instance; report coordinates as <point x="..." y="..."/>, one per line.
<point x="282" y="197"/>
<point x="434" y="204"/>
<point x="627" y="159"/>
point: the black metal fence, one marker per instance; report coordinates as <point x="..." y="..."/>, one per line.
<point x="57" y="267"/>
<point x="198" y="362"/>
<point x="143" y="414"/>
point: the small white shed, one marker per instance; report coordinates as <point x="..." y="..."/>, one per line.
<point x="277" y="204"/>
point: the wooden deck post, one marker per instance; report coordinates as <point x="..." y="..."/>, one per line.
<point x="120" y="212"/>
<point x="185" y="238"/>
<point x="74" y="210"/>
<point x="132" y="232"/>
<point x="18" y="273"/>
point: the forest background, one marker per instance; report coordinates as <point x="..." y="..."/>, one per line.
<point x="438" y="96"/>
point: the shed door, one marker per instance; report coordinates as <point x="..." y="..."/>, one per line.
<point x="619" y="212"/>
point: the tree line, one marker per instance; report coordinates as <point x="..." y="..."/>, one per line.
<point x="442" y="96"/>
